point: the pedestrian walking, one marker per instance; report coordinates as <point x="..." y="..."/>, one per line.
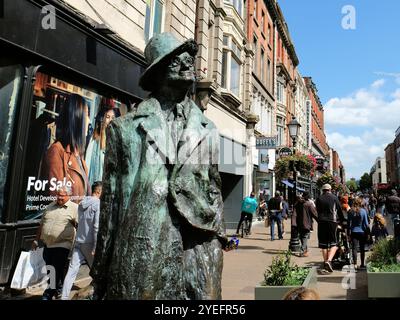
<point x="358" y="227"/>
<point x="86" y="237"/>
<point x="329" y="215"/>
<point x="303" y="214"/>
<point x="392" y="207"/>
<point x="379" y="230"/>
<point x="57" y="232"/>
<point x="275" y="215"/>
<point x="285" y="214"/>
<point x="249" y="207"/>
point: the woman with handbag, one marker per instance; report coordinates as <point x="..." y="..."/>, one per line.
<point x="358" y="229"/>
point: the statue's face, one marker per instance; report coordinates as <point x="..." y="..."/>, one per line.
<point x="181" y="69"/>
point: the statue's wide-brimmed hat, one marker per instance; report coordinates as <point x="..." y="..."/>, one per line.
<point x="160" y="49"/>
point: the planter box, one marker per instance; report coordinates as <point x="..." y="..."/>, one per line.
<point x="277" y="292"/>
<point x="383" y="284"/>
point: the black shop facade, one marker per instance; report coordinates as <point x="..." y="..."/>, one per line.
<point x="40" y="70"/>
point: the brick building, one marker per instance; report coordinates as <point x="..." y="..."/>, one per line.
<point x="319" y="145"/>
<point x="391" y="164"/>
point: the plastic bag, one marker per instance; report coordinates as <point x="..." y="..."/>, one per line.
<point x="30" y="270"/>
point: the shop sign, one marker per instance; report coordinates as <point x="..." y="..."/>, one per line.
<point x="266" y="142"/>
<point x="285" y="152"/>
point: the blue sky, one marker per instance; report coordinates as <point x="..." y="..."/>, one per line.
<point x="357" y="72"/>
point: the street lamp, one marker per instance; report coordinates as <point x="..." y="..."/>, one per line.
<point x="294" y="127"/>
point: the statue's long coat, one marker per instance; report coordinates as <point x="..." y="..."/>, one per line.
<point x="161" y="210"/>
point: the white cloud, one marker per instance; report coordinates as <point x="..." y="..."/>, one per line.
<point x="396" y="76"/>
<point x="378" y="83"/>
<point x="359" y="126"/>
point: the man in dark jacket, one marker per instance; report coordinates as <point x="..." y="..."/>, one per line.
<point x="329" y="215"/>
<point x="392" y="207"/>
<point x="275" y="215"/>
<point x="304" y="212"/>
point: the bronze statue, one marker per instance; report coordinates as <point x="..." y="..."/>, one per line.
<point x="161" y="224"/>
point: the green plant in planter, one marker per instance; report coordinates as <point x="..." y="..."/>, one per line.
<point x="283" y="273"/>
<point x="383" y="256"/>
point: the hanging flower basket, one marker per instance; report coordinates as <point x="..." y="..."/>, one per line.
<point x="301" y="163"/>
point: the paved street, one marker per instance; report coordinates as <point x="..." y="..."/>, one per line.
<point x="244" y="267"/>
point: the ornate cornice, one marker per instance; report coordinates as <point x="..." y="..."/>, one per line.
<point x="278" y="18"/>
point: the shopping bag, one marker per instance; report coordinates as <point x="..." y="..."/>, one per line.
<point x="30" y="270"/>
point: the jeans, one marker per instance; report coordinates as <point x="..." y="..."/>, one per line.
<point x="82" y="252"/>
<point x="304" y="235"/>
<point x="242" y="216"/>
<point x="278" y="219"/>
<point x="358" y="239"/>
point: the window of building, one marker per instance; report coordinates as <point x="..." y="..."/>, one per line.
<point x="235" y="49"/>
<point x="280" y="128"/>
<point x="224" y="69"/>
<point x="70" y="120"/>
<point x="269" y="34"/>
<point x="154" y="18"/>
<point x="231" y="67"/>
<point x="380" y="177"/>
<point x="225" y="40"/>
<point x="269" y="75"/>
<point x="238" y="5"/>
<point x="11" y="79"/>
<point x="262" y="21"/>
<point x="379" y="164"/>
<point x="235" y="76"/>
<point x="262" y="65"/>
<point x="280" y="92"/>
<point x="255" y="48"/>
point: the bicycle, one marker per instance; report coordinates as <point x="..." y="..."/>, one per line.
<point x="245" y="227"/>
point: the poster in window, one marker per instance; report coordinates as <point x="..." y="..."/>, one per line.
<point x="67" y="142"/>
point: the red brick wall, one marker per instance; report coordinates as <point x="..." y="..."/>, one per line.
<point x="265" y="40"/>
<point x="317" y="122"/>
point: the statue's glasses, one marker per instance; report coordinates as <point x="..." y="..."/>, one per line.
<point x="187" y="61"/>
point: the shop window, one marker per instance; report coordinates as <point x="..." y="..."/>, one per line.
<point x="11" y="79"/>
<point x="154" y="18"/>
<point x="67" y="141"/>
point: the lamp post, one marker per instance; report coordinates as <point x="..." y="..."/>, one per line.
<point x="294" y="127"/>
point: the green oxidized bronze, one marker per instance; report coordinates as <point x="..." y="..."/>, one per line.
<point x="161" y="225"/>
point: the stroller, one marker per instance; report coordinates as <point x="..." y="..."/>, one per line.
<point x="343" y="255"/>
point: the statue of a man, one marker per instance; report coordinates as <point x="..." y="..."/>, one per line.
<point x="161" y="225"/>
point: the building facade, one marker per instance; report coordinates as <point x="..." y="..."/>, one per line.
<point x="260" y="34"/>
<point x="224" y="93"/>
<point x="319" y="145"/>
<point x="302" y="116"/>
<point x="378" y="172"/>
<point x="391" y="164"/>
